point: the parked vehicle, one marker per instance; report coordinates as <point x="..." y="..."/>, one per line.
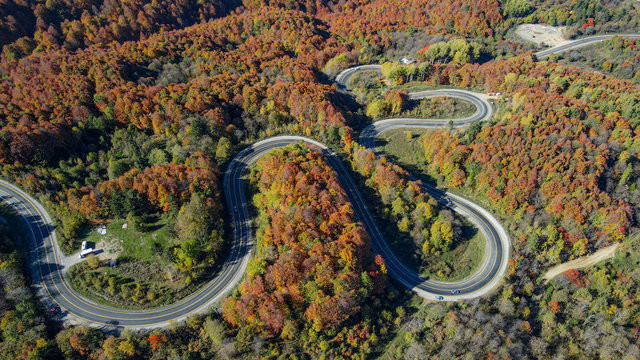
<point x="84" y="245"/>
<point x="407" y="60"/>
<point x="85" y="252"/>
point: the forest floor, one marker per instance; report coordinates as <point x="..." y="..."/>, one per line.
<point x="585" y="261"/>
<point x="542" y="34"/>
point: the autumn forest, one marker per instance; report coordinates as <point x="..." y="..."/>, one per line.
<point x="128" y="115"/>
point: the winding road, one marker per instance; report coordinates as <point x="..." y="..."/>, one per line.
<point x="581" y="42"/>
<point x="49" y="276"/>
<point x="48" y="273"/>
<point x="496" y="249"/>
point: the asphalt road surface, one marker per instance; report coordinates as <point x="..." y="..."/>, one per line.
<point x="49" y="281"/>
<point x="48" y="273"/>
<point x="496" y="252"/>
<point x="581" y="42"/>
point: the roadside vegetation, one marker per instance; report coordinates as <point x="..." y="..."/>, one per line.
<point x="132" y="268"/>
<point x="111" y="111"/>
<point x="314" y="277"/>
<point x="397" y="104"/>
<point x="460" y="259"/>
<point x="439" y="108"/>
<point x="23" y="329"/>
<point x="150" y="260"/>
<point x="617" y="56"/>
<point x="129" y="285"/>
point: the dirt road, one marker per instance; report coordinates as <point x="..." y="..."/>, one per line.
<point x="600" y="255"/>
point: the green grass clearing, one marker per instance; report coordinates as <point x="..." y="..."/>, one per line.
<point x="440" y="107"/>
<point x="416" y="86"/>
<point x="367" y="79"/>
<point x="144" y="246"/>
<point x="402" y="147"/>
<point x="144" y="276"/>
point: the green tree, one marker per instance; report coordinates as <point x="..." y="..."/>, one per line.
<point x="441" y="235"/>
<point x="518" y="8"/>
<point x="404" y="224"/>
<point x="398" y="207"/>
<point x="72" y="224"/>
<point x="193" y="220"/>
<point x="118" y="167"/>
<point x="222" y="149"/>
<point x="215" y="330"/>
<point x="158" y="157"/>
<point x="377" y="108"/>
<point x="92" y="261"/>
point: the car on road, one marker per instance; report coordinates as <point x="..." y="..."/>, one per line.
<point x="235" y="208"/>
<point x="439" y="297"/>
<point x="455" y="291"/>
<point x="445" y="201"/>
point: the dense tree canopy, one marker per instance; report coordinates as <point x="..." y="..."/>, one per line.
<point x="314" y="269"/>
<point x="552" y="155"/>
<point x="117" y="109"/>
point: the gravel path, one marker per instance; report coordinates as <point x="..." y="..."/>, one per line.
<point x="585" y="261"/>
<point x="68" y="261"/>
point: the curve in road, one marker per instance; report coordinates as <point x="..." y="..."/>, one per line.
<point x="496" y="254"/>
<point x="49" y="276"/>
<point x="581" y="42"/>
<point x="479" y="283"/>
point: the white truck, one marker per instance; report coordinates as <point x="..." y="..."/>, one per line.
<point x="85" y="250"/>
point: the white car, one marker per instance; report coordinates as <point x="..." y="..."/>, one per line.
<point x="84" y="246"/>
